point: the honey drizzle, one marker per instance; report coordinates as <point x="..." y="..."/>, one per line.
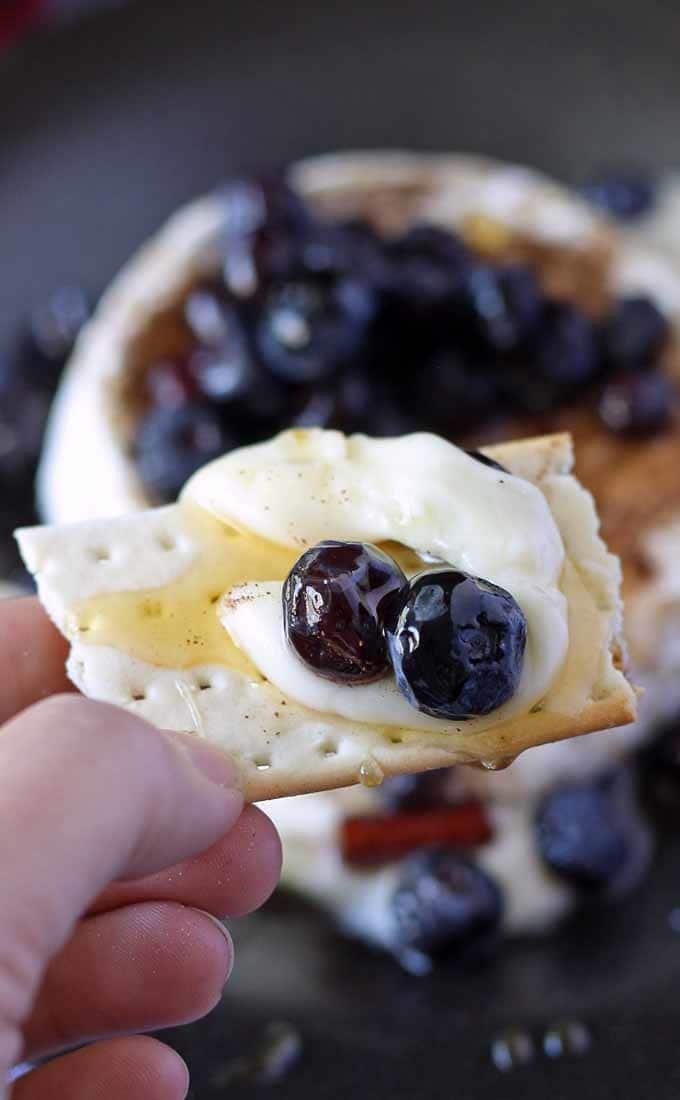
<point x="178" y="625"/>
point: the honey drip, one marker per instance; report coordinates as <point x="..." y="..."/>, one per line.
<point x="178" y="625"/>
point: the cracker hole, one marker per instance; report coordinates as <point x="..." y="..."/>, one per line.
<point x="262" y="762"/>
<point x="214" y="599"/>
<point x="328" y="748"/>
<point x="396" y="739"/>
<point x="204" y="683"/>
<point x="138" y="695"/>
<point x="100" y="554"/>
<point x="166" y="542"/>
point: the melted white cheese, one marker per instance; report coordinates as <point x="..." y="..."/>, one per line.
<point x="253" y="616"/>
<point x="419" y="490"/>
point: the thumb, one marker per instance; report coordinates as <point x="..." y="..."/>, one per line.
<point x="88" y="794"/>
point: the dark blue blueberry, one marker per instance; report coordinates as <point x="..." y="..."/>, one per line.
<point x="659" y="773"/>
<point x="172" y="443"/>
<point x="625" y="195"/>
<point x="417" y="791"/>
<point x="445" y="905"/>
<point x="223" y="369"/>
<point x="635" y="334"/>
<point x="308" y="329"/>
<point x="427" y="267"/>
<point x="486" y="461"/>
<point x="635" y="403"/>
<point x="564" y="350"/>
<point x="499" y="307"/>
<point x="263" y="221"/>
<point x="55" y="323"/>
<point x="336" y="600"/>
<point x="344" y="248"/>
<point x="454" y="392"/>
<point x="457" y="647"/>
<point x="590" y="833"/>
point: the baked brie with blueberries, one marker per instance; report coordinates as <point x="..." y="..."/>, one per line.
<point x="389" y="294"/>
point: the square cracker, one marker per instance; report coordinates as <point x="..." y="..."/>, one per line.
<point x="284" y="748"/>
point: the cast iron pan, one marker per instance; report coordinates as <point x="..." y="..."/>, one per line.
<point x="105" y="127"/>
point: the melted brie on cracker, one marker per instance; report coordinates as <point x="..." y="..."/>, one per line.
<point x="175" y="613"/>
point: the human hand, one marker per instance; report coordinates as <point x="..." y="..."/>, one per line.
<point x="117" y="842"/>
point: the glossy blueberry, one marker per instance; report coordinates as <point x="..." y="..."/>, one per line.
<point x="590" y="833"/>
<point x="486" y="461"/>
<point x="622" y="195"/>
<point x="499" y="307"/>
<point x="307" y="330"/>
<point x="564" y="349"/>
<point x="172" y="443"/>
<point x="336" y="600"/>
<point x="417" y="791"/>
<point x="445" y="905"/>
<point x="457" y="647"/>
<point x="635" y="334"/>
<point x="55" y="323"/>
<point x="427" y="266"/>
<point x="659" y="774"/>
<point x="263" y="220"/>
<point x="635" y="403"/>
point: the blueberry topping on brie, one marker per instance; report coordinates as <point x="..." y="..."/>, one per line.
<point x="457" y="647"/>
<point x="336" y="602"/>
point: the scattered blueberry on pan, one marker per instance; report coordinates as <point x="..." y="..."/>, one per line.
<point x="457" y="647"/>
<point x="623" y="195"/>
<point x="637" y="404"/>
<point x="336" y="601"/>
<point x="590" y="833"/>
<point x="445" y="906"/>
<point x="635" y="334"/>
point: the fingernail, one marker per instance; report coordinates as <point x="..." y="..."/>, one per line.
<point x="225" y="932"/>
<point x="211" y="762"/>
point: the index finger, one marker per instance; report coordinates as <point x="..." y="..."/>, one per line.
<point x="32" y="656"/>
